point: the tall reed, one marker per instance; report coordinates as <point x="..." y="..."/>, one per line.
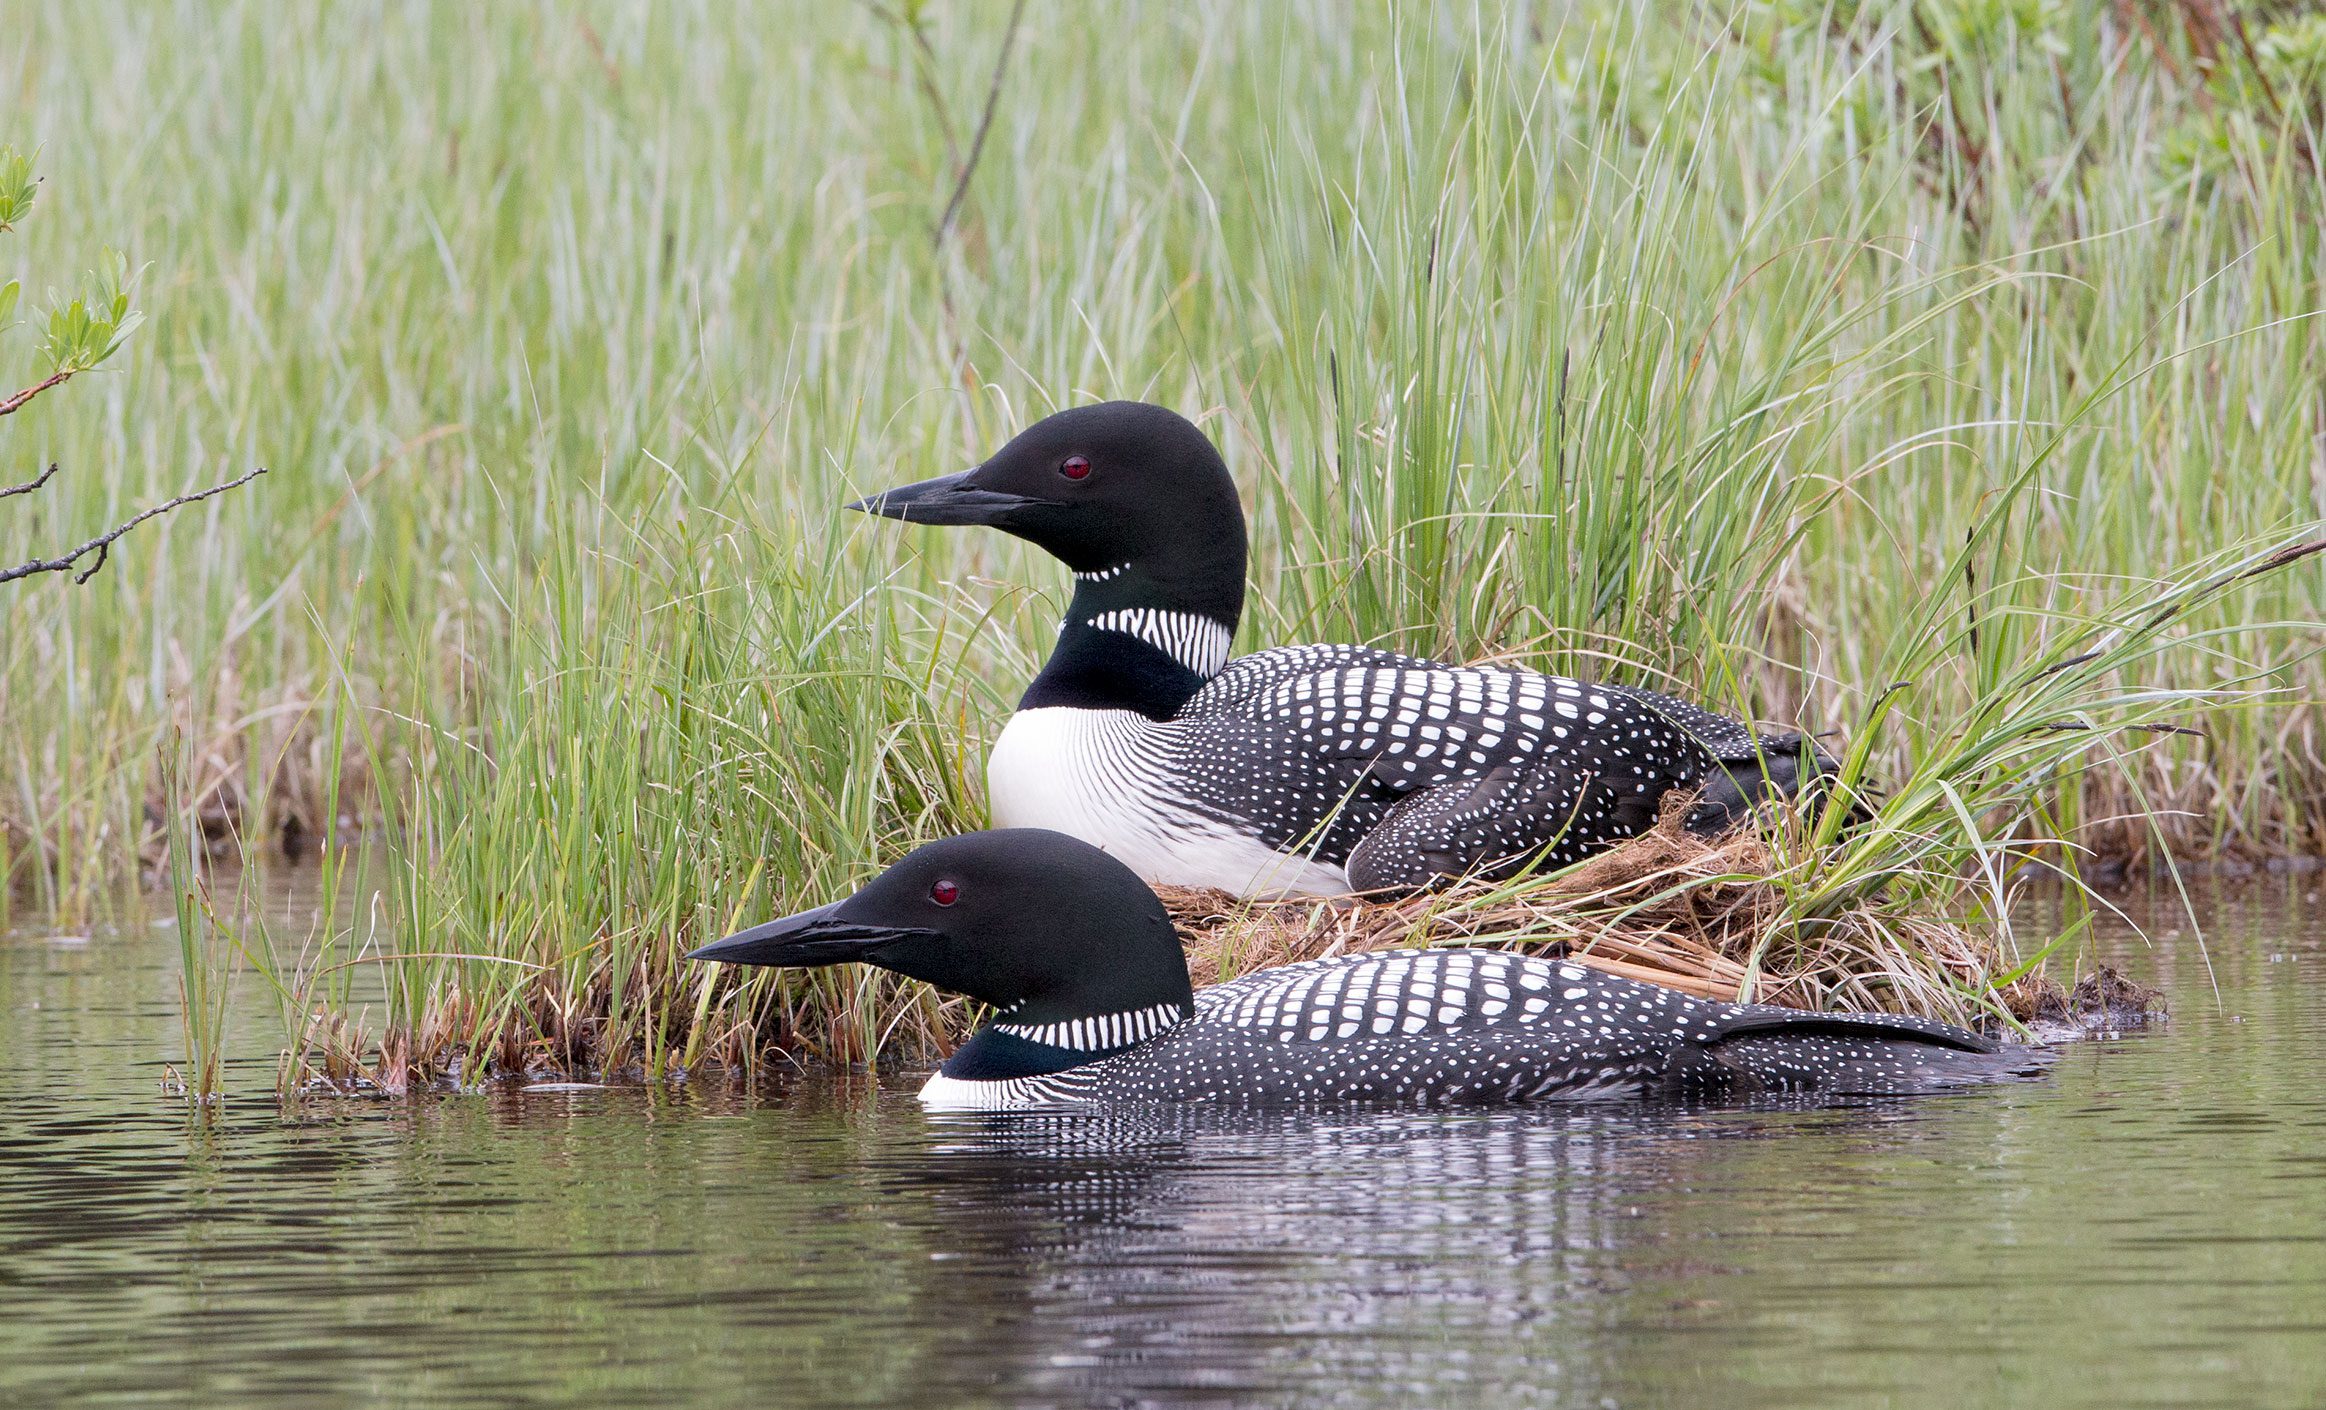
<point x="205" y="964"/>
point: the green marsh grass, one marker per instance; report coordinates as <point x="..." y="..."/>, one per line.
<point x="205" y="972"/>
<point x="1836" y="366"/>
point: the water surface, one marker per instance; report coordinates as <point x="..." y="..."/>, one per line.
<point x="2144" y="1227"/>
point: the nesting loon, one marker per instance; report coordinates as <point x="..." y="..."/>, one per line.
<point x="1303" y="769"/>
<point x="1093" y="1006"/>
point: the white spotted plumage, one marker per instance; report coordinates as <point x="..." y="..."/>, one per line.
<point x="1282" y="766"/>
<point x="1449" y="1027"/>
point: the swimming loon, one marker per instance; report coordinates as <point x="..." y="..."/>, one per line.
<point x="1303" y="769"/>
<point x="1093" y="1006"/>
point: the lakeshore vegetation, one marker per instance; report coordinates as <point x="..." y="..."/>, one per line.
<point x="1943" y="376"/>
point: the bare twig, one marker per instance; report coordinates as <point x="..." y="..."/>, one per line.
<point x="30" y="485"/>
<point x="598" y="51"/>
<point x="924" y="74"/>
<point x="1969" y="149"/>
<point x="2269" y="90"/>
<point x="1001" y="66"/>
<point x="101" y="544"/>
<point x="9" y="406"/>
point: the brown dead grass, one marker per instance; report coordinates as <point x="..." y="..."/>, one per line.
<point x="1704" y="916"/>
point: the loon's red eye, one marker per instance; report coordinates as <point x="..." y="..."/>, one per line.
<point x="1074" y="467"/>
<point x="944" y="893"/>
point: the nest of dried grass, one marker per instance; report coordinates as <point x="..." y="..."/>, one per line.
<point x="1705" y="916"/>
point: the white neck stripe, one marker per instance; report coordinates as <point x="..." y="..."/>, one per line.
<point x="1103" y="574"/>
<point x="1190" y="638"/>
<point x="1099" y="1032"/>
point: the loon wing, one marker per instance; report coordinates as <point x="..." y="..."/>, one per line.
<point x="1439" y="770"/>
<point x="1496" y="823"/>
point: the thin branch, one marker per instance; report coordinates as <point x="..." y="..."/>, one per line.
<point x="2269" y="90"/>
<point x="925" y="70"/>
<point x="924" y="74"/>
<point x="9" y="406"/>
<point x="1001" y="66"/>
<point x="30" y="485"/>
<point x="101" y="544"/>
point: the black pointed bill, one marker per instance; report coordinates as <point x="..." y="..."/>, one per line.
<point x="806" y="940"/>
<point x="948" y="499"/>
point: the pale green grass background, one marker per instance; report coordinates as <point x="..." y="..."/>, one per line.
<point x="1687" y="346"/>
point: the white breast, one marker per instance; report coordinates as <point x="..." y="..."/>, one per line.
<point x="1109" y="778"/>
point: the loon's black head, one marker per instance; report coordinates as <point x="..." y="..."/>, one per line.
<point x="1042" y="926"/>
<point x="1121" y="484"/>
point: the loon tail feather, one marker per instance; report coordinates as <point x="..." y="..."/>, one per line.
<point x="1767" y="1049"/>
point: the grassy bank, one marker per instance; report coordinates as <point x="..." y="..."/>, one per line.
<point x="1845" y="367"/>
